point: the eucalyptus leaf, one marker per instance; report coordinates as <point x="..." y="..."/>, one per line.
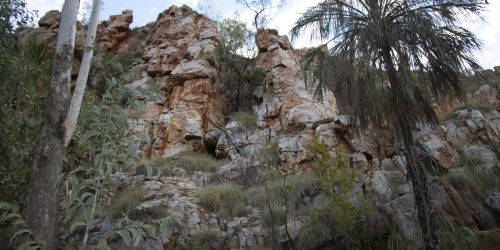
<point x="135" y="72"/>
<point x="75" y="225"/>
<point x="87" y="135"/>
<point x="103" y="245"/>
<point x="125" y="234"/>
<point x="29" y="245"/>
<point x="18" y="233"/>
<point x="136" y="236"/>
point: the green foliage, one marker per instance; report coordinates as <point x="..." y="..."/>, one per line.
<point x="341" y="220"/>
<point x="235" y="34"/>
<point x="225" y="200"/>
<point x="236" y="55"/>
<point x="132" y="231"/>
<point x="483" y="107"/>
<point x="125" y="201"/>
<point x="473" y="81"/>
<point x="130" y="203"/>
<point x="134" y="50"/>
<point x="163" y="165"/>
<point x="205" y="239"/>
<point x="103" y="148"/>
<point x="192" y="162"/>
<point x="22" y="100"/>
<point x="416" y="51"/>
<point x="269" y="155"/>
<point x="254" y="76"/>
<point x="473" y="180"/>
<point x="12" y="13"/>
<point x="451" y="236"/>
<point x="247" y="121"/>
<point x="18" y="227"/>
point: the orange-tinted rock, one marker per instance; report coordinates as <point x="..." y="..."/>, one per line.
<point x="115" y="30"/>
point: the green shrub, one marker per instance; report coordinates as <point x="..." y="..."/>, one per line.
<point x="205" y="239"/>
<point x="192" y="162"/>
<point x="25" y="74"/>
<point x="474" y="180"/>
<point x="254" y="76"/>
<point x="338" y="222"/>
<point x="451" y="237"/>
<point x="209" y="198"/>
<point x="247" y="120"/>
<point x="305" y="184"/>
<point x="225" y="200"/>
<point x="483" y="107"/>
<point x="164" y="166"/>
<point x="269" y="155"/>
<point x="150" y="213"/>
<point x="256" y="196"/>
<point x="134" y="50"/>
<point x="126" y="201"/>
<point x="135" y="114"/>
<point x="474" y="82"/>
<point x="278" y="214"/>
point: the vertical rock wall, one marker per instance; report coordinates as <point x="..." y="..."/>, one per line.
<point x="286" y="103"/>
<point x="183" y="54"/>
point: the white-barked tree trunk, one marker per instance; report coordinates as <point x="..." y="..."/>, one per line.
<point x="81" y="82"/>
<point x="43" y="197"/>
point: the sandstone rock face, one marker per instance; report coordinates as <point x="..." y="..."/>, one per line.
<point x="182" y="54"/>
<point x="176" y="195"/>
<point x="286" y="102"/>
<point x="50" y="20"/>
<point x="109" y="34"/>
<point x="115" y="30"/>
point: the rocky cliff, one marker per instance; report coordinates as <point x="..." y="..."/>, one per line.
<point x="180" y="56"/>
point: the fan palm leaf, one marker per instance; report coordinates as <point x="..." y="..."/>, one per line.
<point x="389" y="59"/>
<point x="428" y="50"/>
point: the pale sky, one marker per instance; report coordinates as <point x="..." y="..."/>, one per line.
<point x="147" y="10"/>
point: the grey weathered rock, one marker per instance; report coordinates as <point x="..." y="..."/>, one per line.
<point x="480" y="157"/>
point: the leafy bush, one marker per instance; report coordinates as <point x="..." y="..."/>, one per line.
<point x="160" y="164"/>
<point x="192" y="162"/>
<point x="225" y="200"/>
<point x="450" y="235"/>
<point x="126" y="201"/>
<point x="473" y="82"/>
<point x="338" y="222"/>
<point x="134" y="50"/>
<point x="474" y="181"/>
<point x="269" y="155"/>
<point x="254" y="76"/>
<point x="150" y="213"/>
<point x="205" y="239"/>
<point x="22" y="100"/>
<point x="247" y="120"/>
<point x="485" y="108"/>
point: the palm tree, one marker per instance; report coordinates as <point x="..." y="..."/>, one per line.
<point x="389" y="58"/>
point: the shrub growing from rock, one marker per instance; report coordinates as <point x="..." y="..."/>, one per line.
<point x="126" y="201"/>
<point x="192" y="162"/>
<point x="225" y="200"/>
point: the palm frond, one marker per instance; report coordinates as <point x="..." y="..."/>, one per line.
<point x="427" y="47"/>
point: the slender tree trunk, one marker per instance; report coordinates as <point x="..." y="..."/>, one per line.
<point x="83" y="74"/>
<point x="43" y="199"/>
<point x="417" y="175"/>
